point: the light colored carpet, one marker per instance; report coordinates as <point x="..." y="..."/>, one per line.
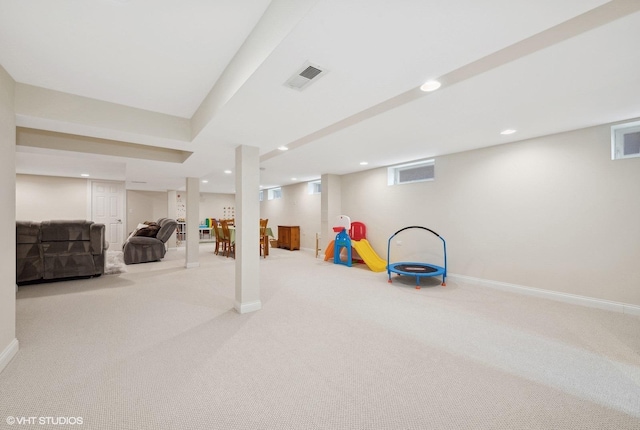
<point x="160" y="347"/>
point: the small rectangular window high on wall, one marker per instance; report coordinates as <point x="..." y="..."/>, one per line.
<point x="274" y="193"/>
<point x="625" y="140"/>
<point x="314" y="187"/>
<point x="411" y="172"/>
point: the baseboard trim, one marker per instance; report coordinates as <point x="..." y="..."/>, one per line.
<point x="575" y="299"/>
<point x="243" y="308"/>
<point x="9" y="352"/>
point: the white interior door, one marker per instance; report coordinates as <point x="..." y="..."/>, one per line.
<point x="107" y="207"/>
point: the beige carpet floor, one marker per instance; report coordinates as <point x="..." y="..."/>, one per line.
<point x="160" y="347"/>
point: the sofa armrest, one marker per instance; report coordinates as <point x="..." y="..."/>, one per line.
<point x="142" y="240"/>
<point x="98" y="242"/>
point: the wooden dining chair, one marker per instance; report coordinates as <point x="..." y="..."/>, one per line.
<point x="216" y="232"/>
<point x="227" y="246"/>
<point x="264" y="239"/>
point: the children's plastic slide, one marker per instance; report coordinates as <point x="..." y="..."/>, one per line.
<point x="356" y="240"/>
<point x="328" y="253"/>
<point x="365" y="251"/>
<point x="369" y="256"/>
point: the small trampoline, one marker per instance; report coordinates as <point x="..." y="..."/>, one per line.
<point x="419" y="270"/>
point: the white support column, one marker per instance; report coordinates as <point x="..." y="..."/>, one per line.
<point x="193" y="222"/>
<point x="331" y="206"/>
<point x="247" y="229"/>
<point x="172" y="213"/>
<point x="8" y="288"/>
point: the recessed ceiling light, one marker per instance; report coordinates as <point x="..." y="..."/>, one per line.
<point x="508" y="131"/>
<point x="227" y="171"/>
<point x="204" y="181"/>
<point x="294" y="179"/>
<point x="84" y="175"/>
<point x="283" y="148"/>
<point x="363" y="163"/>
<point x="430" y="86"/>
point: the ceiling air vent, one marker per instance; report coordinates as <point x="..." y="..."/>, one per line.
<point x="306" y="75"/>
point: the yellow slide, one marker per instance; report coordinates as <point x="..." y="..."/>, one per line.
<point x="368" y="255"/>
<point x="328" y="253"/>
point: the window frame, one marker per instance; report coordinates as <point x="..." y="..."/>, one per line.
<point x="314" y="187"/>
<point x="618" y="132"/>
<point x="393" y="172"/>
<point x="274" y="193"/>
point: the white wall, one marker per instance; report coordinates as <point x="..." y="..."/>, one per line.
<point x="554" y="213"/>
<point x="43" y="198"/>
<point x="145" y="206"/>
<point x="213" y="205"/>
<point x="8" y="342"/>
<point x="296" y="207"/>
<point x="38" y="199"/>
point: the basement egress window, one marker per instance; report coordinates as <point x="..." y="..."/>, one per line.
<point x="314" y="187"/>
<point x="625" y="140"/>
<point x="411" y="172"/>
<point x="274" y="193"/>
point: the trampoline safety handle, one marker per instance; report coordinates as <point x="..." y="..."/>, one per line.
<point x="414" y="226"/>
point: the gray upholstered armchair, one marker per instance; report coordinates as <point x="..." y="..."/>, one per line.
<point x="148" y="244"/>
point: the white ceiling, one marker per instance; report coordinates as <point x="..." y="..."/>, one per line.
<point x="539" y="66"/>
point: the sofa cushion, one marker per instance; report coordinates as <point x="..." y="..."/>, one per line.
<point x="67" y="247"/>
<point x="143" y="240"/>
<point x="68" y="265"/>
<point x="57" y="231"/>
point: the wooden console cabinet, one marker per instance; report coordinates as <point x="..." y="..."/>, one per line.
<point x="289" y="237"/>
